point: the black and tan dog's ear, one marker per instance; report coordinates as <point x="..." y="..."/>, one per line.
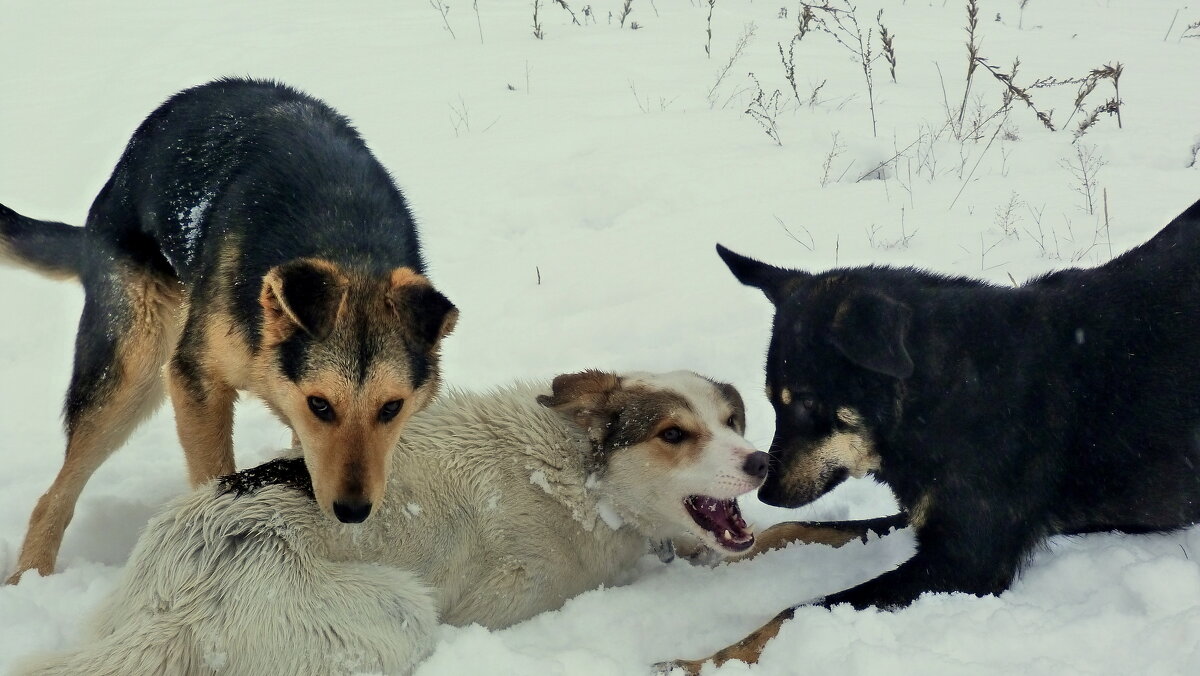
<point x="776" y="283"/>
<point x="307" y="294"/>
<point x="430" y="315"/>
<point x="587" y="398"/>
<point x="871" y="330"/>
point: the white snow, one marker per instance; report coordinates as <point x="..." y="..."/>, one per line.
<point x="538" y="478"/>
<point x="609" y="514"/>
<point x="570" y="191"/>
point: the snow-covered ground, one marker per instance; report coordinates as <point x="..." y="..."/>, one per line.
<point x="570" y="191"/>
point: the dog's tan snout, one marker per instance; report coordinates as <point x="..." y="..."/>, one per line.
<point x="353" y="503"/>
<point x="757" y="464"/>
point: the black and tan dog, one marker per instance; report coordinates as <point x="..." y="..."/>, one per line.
<point x="998" y="416"/>
<point x="248" y="240"/>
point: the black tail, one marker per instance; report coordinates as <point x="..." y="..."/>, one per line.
<point x="53" y="249"/>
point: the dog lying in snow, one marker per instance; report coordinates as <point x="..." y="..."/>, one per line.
<point x="498" y="507"/>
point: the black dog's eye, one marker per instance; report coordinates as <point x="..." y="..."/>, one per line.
<point x="672" y="435"/>
<point x="321" y="408"/>
<point x="806" y="403"/>
<point x="390" y="410"/>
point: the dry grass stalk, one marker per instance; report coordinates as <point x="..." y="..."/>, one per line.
<point x="827" y="166"/>
<point x="1014" y="92"/>
<point x="708" y="42"/>
<point x="747" y="35"/>
<point x="804" y="22"/>
<point x="1084" y="167"/>
<point x="848" y="33"/>
<point x="625" y="10"/>
<point x="443" y="9"/>
<point x="478" y="22"/>
<point x="563" y="4"/>
<point x="803" y="25"/>
<point x="972" y="55"/>
<point x="889" y="47"/>
<point x="765" y="110"/>
<point x="537" y="25"/>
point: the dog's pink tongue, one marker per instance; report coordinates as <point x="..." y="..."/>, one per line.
<point x="717" y="512"/>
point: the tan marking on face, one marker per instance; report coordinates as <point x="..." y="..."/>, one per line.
<point x="785" y="396"/>
<point x="769" y="392"/>
<point x="852" y="449"/>
<point x="349" y="457"/>
<point x="407" y="277"/>
<point x="849" y="416"/>
<point x="671" y="456"/>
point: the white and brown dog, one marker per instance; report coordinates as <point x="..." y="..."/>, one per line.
<point x="498" y="507"/>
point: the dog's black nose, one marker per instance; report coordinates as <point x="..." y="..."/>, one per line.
<point x="756" y="464"/>
<point x="352" y="511"/>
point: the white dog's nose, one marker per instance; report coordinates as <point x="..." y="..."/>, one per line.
<point x="756" y="464"/>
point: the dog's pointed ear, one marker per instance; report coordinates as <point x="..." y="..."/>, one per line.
<point x="306" y="294"/>
<point x="430" y="315"/>
<point x="586" y="398"/>
<point x="871" y="330"/>
<point x="776" y="283"/>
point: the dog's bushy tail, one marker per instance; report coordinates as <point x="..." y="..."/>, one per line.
<point x="51" y="248"/>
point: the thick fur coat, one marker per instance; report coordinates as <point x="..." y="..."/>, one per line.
<point x="498" y="508"/>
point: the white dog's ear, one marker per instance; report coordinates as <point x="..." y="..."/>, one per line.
<point x="587" y="399"/>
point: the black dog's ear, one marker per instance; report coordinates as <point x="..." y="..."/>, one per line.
<point x="871" y="330"/>
<point x="429" y="315"/>
<point x="306" y="294"/>
<point x="776" y="283"/>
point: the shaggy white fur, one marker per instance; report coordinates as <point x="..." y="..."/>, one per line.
<point x="490" y="517"/>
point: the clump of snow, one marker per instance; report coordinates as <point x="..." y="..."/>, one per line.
<point x="569" y="192"/>
<point x="538" y="478"/>
<point x="608" y="514"/>
<point x="413" y="509"/>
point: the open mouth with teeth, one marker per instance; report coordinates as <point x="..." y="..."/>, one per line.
<point x="723" y="519"/>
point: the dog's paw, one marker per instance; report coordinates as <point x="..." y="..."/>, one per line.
<point x="703" y="556"/>
<point x="663" y="549"/>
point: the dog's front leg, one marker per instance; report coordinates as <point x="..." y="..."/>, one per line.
<point x="203" y="418"/>
<point x="831" y="533"/>
<point x="746" y="650"/>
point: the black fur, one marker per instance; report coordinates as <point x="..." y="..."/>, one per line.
<point x="1000" y="415"/>
<point x="279" y="171"/>
<point x="288" y="472"/>
<point x="56" y="248"/>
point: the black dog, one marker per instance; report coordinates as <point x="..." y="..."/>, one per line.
<point x="248" y="239"/>
<point x="998" y="416"/>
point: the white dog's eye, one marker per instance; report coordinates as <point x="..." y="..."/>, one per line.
<point x="732" y="422"/>
<point x="672" y="435"/>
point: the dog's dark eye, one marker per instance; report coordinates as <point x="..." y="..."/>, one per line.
<point x="390" y="409"/>
<point x="806" y="403"/>
<point x="672" y="435"/>
<point x="732" y="422"/>
<point x="321" y="408"/>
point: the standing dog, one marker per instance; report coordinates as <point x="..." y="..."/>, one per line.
<point x="999" y="416"/>
<point x="499" y="507"/>
<point x="248" y="240"/>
